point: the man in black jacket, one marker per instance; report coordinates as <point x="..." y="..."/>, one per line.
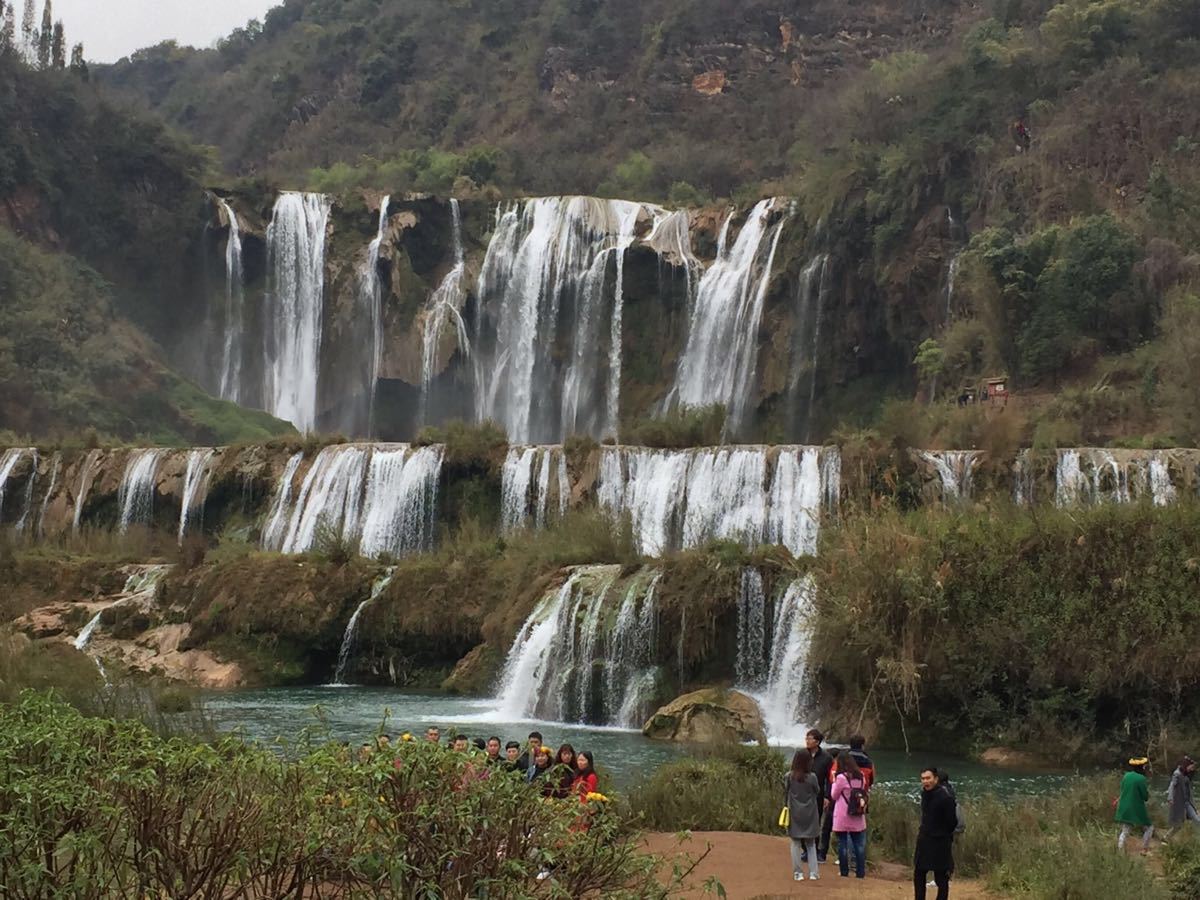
<point x="935" y="840"/>
<point x="822" y="762"/>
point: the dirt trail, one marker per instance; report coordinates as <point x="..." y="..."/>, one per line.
<point x="759" y="866"/>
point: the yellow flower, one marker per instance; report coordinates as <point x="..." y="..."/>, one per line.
<point x="598" y="797"/>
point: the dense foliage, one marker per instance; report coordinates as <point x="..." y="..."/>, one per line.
<point x="1044" y="627"/>
<point x="99" y="807"/>
<point x="69" y="364"/>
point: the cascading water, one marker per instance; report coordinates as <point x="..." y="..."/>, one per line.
<point x="87" y="474"/>
<point x="527" y="492"/>
<point x="232" y="320"/>
<point x="275" y="529"/>
<point x="1068" y="479"/>
<point x="136" y="495"/>
<point x="631" y="672"/>
<point x="30" y="483"/>
<point x="751" y="663"/>
<point x="445" y="305"/>
<point x="294" y="306"/>
<point x="951" y="278"/>
<point x="55" y="471"/>
<point x="549" y="260"/>
<point x="782" y="700"/>
<point x="85" y="636"/>
<point x="195" y="487"/>
<point x="1023" y="479"/>
<point x="815" y="285"/>
<point x="140" y="587"/>
<point x="350" y="638"/>
<point x="1096" y="475"/>
<point x="370" y="291"/>
<point x="8" y="462"/>
<point x="719" y="363"/>
<point x="955" y="469"/>
<point x="680" y="499"/>
<point x="1161" y="489"/>
<point x="384" y="497"/>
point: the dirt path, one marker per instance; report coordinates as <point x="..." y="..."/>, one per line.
<point x="759" y="866"/>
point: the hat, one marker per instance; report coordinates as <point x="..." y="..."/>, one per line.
<point x="1139" y="761"/>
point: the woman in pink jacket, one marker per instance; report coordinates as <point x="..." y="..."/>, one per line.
<point x="849" y="796"/>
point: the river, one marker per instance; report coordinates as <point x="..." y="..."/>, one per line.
<point x="356" y="714"/>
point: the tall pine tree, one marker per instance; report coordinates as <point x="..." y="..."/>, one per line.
<point x="28" y="34"/>
<point x="8" y="29"/>
<point x="78" y="65"/>
<point x="45" y="37"/>
<point x="58" y="47"/>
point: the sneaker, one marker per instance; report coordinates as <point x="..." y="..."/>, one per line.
<point x="814" y="877"/>
<point x="821" y="857"/>
<point x="797" y="876"/>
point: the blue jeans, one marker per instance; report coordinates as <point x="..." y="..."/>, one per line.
<point x="855" y="841"/>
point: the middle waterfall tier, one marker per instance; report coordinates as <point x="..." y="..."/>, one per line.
<point x="676" y="499"/>
<point x="380" y="497"/>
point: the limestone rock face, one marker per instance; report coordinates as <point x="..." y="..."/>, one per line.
<point x="708" y="716"/>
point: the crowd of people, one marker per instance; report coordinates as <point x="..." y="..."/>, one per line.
<point x="827" y="796"/>
<point x="559" y="774"/>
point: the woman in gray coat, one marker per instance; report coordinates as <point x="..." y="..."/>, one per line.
<point x="802" y="795"/>
<point x="1180" y="807"/>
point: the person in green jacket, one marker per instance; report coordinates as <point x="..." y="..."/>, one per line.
<point x="1131" y="806"/>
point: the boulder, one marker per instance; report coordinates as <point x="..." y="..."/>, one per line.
<point x="708" y="716"/>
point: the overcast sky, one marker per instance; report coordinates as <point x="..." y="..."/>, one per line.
<point x="110" y="29"/>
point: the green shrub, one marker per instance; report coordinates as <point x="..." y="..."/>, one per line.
<point x="685" y="427"/>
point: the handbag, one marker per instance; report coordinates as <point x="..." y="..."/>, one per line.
<point x="785" y="818"/>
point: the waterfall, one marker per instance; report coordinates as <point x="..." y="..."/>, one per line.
<point x="350" y="638"/>
<point x="547" y="263"/>
<point x="1068" y="478"/>
<point x="444" y="304"/>
<point x="382" y="496"/>
<point x="370" y="290"/>
<point x="522" y="496"/>
<point x="750" y="666"/>
<point x="8" y="462"/>
<point x="401" y="500"/>
<point x="30" y="484"/>
<point x="55" y="471"/>
<point x="1161" y="489"/>
<point x="195" y="487"/>
<point x="955" y="469"/>
<point x="1023" y="479"/>
<point x="231" y="344"/>
<point x="951" y="278"/>
<point x="277" y="517"/>
<point x="683" y="498"/>
<point x="294" y="306"/>
<point x="85" y="636"/>
<point x="87" y="474"/>
<point x="719" y="363"/>
<point x="136" y="494"/>
<point x="631" y="672"/>
<point x="781" y="701"/>
<point x="812" y="289"/>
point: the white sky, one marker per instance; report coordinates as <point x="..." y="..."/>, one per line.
<point x="111" y="29"/>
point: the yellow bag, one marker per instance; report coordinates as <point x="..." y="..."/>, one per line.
<point x="785" y="818"/>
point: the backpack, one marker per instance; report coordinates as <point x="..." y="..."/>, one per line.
<point x="857" y="801"/>
<point x="959" y="816"/>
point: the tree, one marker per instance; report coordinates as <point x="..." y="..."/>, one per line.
<point x="78" y="65"/>
<point x="28" y="33"/>
<point x="58" y="47"/>
<point x="45" y="37"/>
<point x="930" y="362"/>
<point x="8" y="25"/>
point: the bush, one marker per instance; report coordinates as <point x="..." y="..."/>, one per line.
<point x="90" y="805"/>
<point x="686" y="427"/>
<point x="466" y="444"/>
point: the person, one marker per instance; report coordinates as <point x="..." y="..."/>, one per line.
<point x="858" y="750"/>
<point x="383" y="741"/>
<point x="492" y="748"/>
<point x="563" y="775"/>
<point x="541" y="770"/>
<point x="1021" y="135"/>
<point x="461" y="744"/>
<point x="1131" y="805"/>
<point x="512" y="757"/>
<point x="935" y="838"/>
<point x="526" y="760"/>
<point x="804" y="801"/>
<point x="586" y="781"/>
<point x="849" y="819"/>
<point x="1180" y="807"/>
<point x="433" y="735"/>
<point x="822" y="762"/>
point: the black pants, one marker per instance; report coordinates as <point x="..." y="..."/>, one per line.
<point x="826" y="831"/>
<point x="940" y="878"/>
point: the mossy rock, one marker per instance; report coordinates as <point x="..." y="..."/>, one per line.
<point x="708" y="716"/>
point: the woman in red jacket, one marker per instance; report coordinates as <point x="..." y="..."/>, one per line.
<point x="586" y="781"/>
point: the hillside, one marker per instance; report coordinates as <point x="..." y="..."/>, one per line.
<point x="1057" y="254"/>
<point x="97" y="255"/>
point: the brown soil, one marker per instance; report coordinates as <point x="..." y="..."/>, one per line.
<point x="758" y="867"/>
